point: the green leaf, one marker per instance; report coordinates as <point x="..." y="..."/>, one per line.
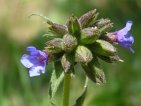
<point x="56" y="79"/>
<point x="81" y="98"/>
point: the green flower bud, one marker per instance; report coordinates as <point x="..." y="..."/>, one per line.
<point x="66" y="62"/>
<point x="57" y="28"/>
<point x="73" y="26"/>
<point x="88" y="18"/>
<point x="106" y="28"/>
<point x="110" y="59"/>
<point x="89" y="35"/>
<point x="83" y="55"/>
<point x="54" y="45"/>
<point x="69" y="42"/>
<point x="104" y="25"/>
<point x="103" y="48"/>
<point x="94" y="71"/>
<point x="102" y="22"/>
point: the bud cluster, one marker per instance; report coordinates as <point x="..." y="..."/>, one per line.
<point x="82" y="40"/>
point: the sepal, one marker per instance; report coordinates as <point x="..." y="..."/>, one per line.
<point x="89" y="35"/>
<point x="111" y="59"/>
<point x="69" y="42"/>
<point x="103" y="48"/>
<point x="67" y="63"/>
<point x="73" y="26"/>
<point x="83" y="55"/>
<point x="57" y="28"/>
<point x="88" y="18"/>
<point x="94" y="72"/>
<point x="54" y="45"/>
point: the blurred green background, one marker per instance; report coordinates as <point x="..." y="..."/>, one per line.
<point x="17" y="31"/>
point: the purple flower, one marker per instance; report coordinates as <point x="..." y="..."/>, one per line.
<point x="35" y="61"/>
<point x="124" y="38"/>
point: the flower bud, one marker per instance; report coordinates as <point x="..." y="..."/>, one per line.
<point x="66" y="62"/>
<point x="88" y="18"/>
<point x="110" y="59"/>
<point x="104" y="25"/>
<point x="57" y="28"/>
<point x="83" y="55"/>
<point x="102" y="22"/>
<point x="89" y="35"/>
<point x="103" y="48"/>
<point x="73" y="26"/>
<point x="54" y="45"/>
<point x="106" y="28"/>
<point x="94" y="71"/>
<point x="69" y="42"/>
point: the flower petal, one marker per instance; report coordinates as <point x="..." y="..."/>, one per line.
<point x="126" y="41"/>
<point x="25" y="61"/>
<point x="36" y="70"/>
<point x="31" y="48"/>
<point x="43" y="54"/>
<point x="125" y="30"/>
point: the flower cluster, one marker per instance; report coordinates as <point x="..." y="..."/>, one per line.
<point x="82" y="41"/>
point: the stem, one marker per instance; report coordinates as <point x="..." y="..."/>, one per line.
<point x="66" y="91"/>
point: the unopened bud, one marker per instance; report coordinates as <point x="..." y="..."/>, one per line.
<point x="83" y="55"/>
<point x="89" y="35"/>
<point x="94" y="71"/>
<point x="73" y="26"/>
<point x="111" y="59"/>
<point x="102" y="22"/>
<point x="88" y="18"/>
<point x="106" y="28"/>
<point x="69" y="42"/>
<point x="103" y="48"/>
<point x="54" y="45"/>
<point x="66" y="62"/>
<point x="57" y="28"/>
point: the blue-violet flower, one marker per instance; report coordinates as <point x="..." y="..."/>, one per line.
<point x="35" y="61"/>
<point x="124" y="38"/>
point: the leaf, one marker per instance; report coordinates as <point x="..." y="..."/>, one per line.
<point x="81" y="98"/>
<point x="56" y="79"/>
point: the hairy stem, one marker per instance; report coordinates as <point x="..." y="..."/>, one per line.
<point x="66" y="91"/>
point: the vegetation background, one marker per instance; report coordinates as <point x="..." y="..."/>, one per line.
<point x="17" y="31"/>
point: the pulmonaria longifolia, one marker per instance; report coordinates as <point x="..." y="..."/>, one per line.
<point x="82" y="41"/>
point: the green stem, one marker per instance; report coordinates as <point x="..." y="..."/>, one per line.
<point x="66" y="91"/>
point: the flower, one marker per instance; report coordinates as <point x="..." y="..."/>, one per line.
<point x="124" y="38"/>
<point x="36" y="61"/>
